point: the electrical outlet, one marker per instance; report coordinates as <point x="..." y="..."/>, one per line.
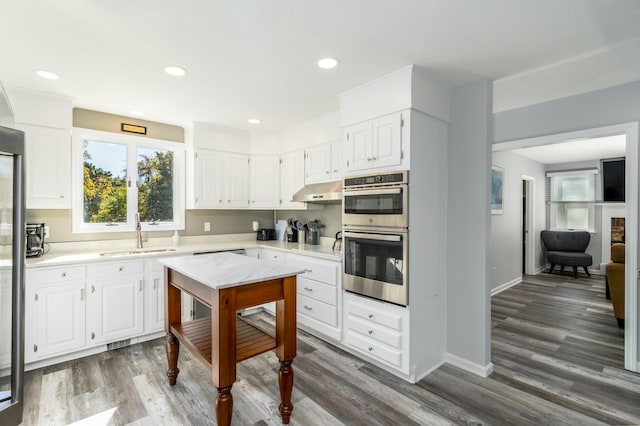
<point x="207" y="227"/>
<point x="46" y="231"/>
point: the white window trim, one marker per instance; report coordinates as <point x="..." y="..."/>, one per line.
<point x="79" y="135"/>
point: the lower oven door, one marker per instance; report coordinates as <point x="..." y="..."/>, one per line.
<point x="375" y="265"/>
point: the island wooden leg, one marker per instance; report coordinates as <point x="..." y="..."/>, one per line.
<point x="224" y="406"/>
<point x="173" y="348"/>
<point x="286" y="345"/>
<point x="285" y="380"/>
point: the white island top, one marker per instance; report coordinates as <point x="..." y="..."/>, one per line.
<point x="222" y="270"/>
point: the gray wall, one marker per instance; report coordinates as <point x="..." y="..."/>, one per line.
<point x="468" y="223"/>
<point x="614" y="105"/>
<point x="88" y="119"/>
<point x="222" y="222"/>
<point x="506" y="229"/>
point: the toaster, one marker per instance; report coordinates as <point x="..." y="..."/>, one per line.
<point x="266" y="234"/>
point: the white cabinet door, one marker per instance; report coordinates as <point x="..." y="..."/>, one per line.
<point x="154" y="300"/>
<point x="318" y="163"/>
<point x="291" y="178"/>
<point x="265" y="181"/>
<point x="48" y="167"/>
<point x="357" y="146"/>
<point x="208" y="179"/>
<point x="236" y="180"/>
<point x="58" y="315"/>
<point x="116" y="301"/>
<point x="386" y="143"/>
<point x="337" y="160"/>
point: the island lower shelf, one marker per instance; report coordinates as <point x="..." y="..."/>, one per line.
<point x="196" y="335"/>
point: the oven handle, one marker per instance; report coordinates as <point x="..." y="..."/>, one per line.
<point x="379" y="237"/>
<point x="379" y="191"/>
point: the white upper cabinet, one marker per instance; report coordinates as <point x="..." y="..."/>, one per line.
<point x="48" y="167"/>
<point x="265" y="181"/>
<point x="236" y="180"/>
<point x="291" y="178"/>
<point x="208" y="179"/>
<point x="323" y="163"/>
<point x="318" y="163"/>
<point x="46" y="122"/>
<point x="374" y="144"/>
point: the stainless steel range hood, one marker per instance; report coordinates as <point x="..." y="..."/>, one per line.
<point x="321" y="193"/>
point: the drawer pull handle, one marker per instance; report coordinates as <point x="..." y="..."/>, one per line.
<point x="370" y="316"/>
<point x="35" y="348"/>
<point x="308" y="308"/>
<point x="93" y="335"/>
<point x="82" y="294"/>
<point x="308" y="289"/>
<point x="64" y="274"/>
<point x="140" y="283"/>
<point x="370" y="331"/>
<point x="155" y="283"/>
<point x="308" y="270"/>
<point x="121" y="268"/>
<point x="370" y="348"/>
<point x="93" y="289"/>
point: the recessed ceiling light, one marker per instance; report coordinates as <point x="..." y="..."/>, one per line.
<point x="253" y="121"/>
<point x="47" y="74"/>
<point x="328" y="63"/>
<point x="175" y="71"/>
<point x="138" y="113"/>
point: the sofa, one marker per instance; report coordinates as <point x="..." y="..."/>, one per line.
<point x="567" y="248"/>
<point x="615" y="281"/>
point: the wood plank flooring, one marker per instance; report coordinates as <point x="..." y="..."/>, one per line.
<point x="557" y="351"/>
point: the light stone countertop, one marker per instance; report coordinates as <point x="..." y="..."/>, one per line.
<point x="62" y="254"/>
<point x="223" y="270"/>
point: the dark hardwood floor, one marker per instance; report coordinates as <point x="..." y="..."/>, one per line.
<point x="557" y="351"/>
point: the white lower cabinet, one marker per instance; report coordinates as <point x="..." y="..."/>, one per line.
<point x="378" y="330"/>
<point x="318" y="289"/>
<point x="153" y="296"/>
<point x="55" y="311"/>
<point x="115" y="301"/>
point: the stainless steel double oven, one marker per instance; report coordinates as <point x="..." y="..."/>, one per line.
<point x="375" y="220"/>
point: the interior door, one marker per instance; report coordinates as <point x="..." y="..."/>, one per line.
<point x="12" y="236"/>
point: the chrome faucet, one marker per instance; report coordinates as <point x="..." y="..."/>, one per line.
<point x="138" y="231"/>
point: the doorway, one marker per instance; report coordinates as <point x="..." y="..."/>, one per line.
<point x="528" y="220"/>
<point x="630" y="130"/>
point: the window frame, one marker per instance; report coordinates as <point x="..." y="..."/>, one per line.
<point x="589" y="203"/>
<point x="79" y="135"/>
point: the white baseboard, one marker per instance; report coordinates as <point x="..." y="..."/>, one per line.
<point x="508" y="284"/>
<point x="538" y="270"/>
<point x="472" y="367"/>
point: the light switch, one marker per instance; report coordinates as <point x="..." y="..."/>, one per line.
<point x="207" y="227"/>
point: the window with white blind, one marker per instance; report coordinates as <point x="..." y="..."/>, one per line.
<point x="571" y="196"/>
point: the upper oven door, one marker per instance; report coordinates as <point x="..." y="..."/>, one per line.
<point x="387" y="207"/>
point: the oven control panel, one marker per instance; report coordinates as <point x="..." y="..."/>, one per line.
<point x="381" y="179"/>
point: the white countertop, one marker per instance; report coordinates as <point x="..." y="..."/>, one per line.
<point x="113" y="250"/>
<point x="223" y="270"/>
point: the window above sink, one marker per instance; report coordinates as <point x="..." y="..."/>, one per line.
<point x="116" y="175"/>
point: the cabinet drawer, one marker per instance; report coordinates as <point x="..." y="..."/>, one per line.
<point x="374" y="349"/>
<point x="274" y="255"/>
<point x="317" y="290"/>
<point x="383" y="314"/>
<point x="56" y="275"/>
<point x="117" y="268"/>
<point x="374" y="331"/>
<point x="318" y="310"/>
<point x="326" y="272"/>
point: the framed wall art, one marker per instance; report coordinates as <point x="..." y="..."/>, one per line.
<point x="497" y="184"/>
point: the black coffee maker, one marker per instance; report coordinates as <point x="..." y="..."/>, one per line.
<point x="35" y="239"/>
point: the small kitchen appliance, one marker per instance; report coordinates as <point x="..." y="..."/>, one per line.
<point x="35" y="239"/>
<point x="265" y="234"/>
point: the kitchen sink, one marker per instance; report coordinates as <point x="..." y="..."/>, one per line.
<point x="134" y="252"/>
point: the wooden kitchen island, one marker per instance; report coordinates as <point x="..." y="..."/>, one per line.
<point x="228" y="282"/>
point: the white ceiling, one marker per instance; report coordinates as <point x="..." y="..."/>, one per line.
<point x="257" y="58"/>
<point x="577" y="150"/>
